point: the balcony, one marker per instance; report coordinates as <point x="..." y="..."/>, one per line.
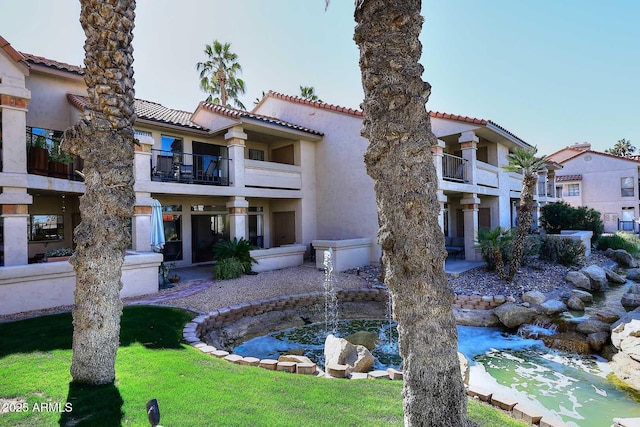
<point x="177" y="166"/>
<point x="263" y="174"/>
<point x="454" y="168"/>
<point x="45" y="156"/>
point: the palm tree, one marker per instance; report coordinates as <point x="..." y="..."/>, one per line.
<point x="308" y="92"/>
<point x="523" y="160"/>
<point x="399" y="160"/>
<point x="622" y="148"/>
<point x="218" y="75"/>
<point x="105" y="141"/>
<point x="490" y="244"/>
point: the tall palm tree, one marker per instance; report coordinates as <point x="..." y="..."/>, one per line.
<point x="523" y="160"/>
<point x="105" y="141"/>
<point x="219" y="75"/>
<point x="622" y="148"/>
<point x="399" y="160"/>
<point x="309" y="92"/>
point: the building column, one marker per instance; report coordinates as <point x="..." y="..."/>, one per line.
<point x="470" y="203"/>
<point x="469" y="144"/>
<point x="437" y="151"/>
<point x="235" y="142"/>
<point x="237" y="207"/>
<point x="15" y="220"/>
<point x="14" y="132"/>
<point x="141" y="223"/>
<point x="442" y="200"/>
<point x="142" y="158"/>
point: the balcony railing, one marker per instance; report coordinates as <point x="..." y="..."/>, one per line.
<point x="454" y="168"/>
<point x="46" y="157"/>
<point x="177" y="166"/>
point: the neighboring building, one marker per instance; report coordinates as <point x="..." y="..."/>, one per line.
<point x="286" y="175"/>
<point x="602" y="181"/>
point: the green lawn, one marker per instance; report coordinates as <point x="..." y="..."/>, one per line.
<point x="192" y="389"/>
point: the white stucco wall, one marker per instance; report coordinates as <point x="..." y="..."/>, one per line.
<point x="49" y="107"/>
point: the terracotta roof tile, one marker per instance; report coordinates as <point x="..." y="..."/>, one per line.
<point x="562" y="178"/>
<point x="439" y="115"/>
<point x="317" y="104"/>
<point x="147" y="110"/>
<point x="14" y="54"/>
<point x="39" y="60"/>
<point x="241" y="114"/>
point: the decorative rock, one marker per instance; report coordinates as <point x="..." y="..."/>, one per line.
<point x="306" y="368"/>
<point x="552" y="307"/>
<point x="339" y="351"/>
<point x="337" y="371"/>
<point x="464" y="368"/>
<point x="249" y="361"/>
<point x="608" y="316"/>
<point x="572" y="342"/>
<point x="394" y="374"/>
<point x="479" y="392"/>
<point x="552" y="422"/>
<point x="578" y="280"/>
<point x="207" y="349"/>
<point x="584" y="296"/>
<point x="613" y="277"/>
<point x="289" y="367"/>
<point x="622" y="257"/>
<point x="233" y="358"/>
<point x="363" y="338"/>
<point x="626" y="422"/>
<point x="503" y="401"/>
<point x="364" y="361"/>
<point x="220" y="354"/>
<point x="512" y="315"/>
<point x="294" y="358"/>
<point x="634" y="274"/>
<point x="626" y="338"/>
<point x="534" y="297"/>
<point x="575" y="303"/>
<point x="626" y="369"/>
<point x="597" y="277"/>
<point x="526" y="413"/>
<point x="482" y="318"/>
<point x="358" y="376"/>
<point x="597" y="339"/>
<point x="378" y="375"/>
<point x="269" y="364"/>
<point x="591" y="326"/>
<point x="630" y="301"/>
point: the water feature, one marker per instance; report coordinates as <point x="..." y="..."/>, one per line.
<point x="566" y="386"/>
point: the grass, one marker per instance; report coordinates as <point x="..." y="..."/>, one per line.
<point x="192" y="389"/>
<point x="620" y="240"/>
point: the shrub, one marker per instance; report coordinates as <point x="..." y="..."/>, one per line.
<point x="562" y="216"/>
<point x="238" y="249"/>
<point x="495" y="246"/>
<point x="628" y="242"/>
<point x="563" y="251"/>
<point x="229" y="268"/>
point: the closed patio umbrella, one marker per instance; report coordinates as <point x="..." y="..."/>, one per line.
<point x="157" y="227"/>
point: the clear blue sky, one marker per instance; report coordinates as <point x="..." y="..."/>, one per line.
<point x="552" y="72"/>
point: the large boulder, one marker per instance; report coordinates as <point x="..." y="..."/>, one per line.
<point x="591" y="326"/>
<point x="622" y="257"/>
<point x="597" y="340"/>
<point x="513" y="315"/>
<point x="575" y="303"/>
<point x="626" y="338"/>
<point x="597" y="277"/>
<point x="626" y="369"/>
<point x="481" y="318"/>
<point x="630" y="300"/>
<point x="338" y="351"/>
<point x="572" y="342"/>
<point x="634" y="274"/>
<point x="534" y="297"/>
<point x="364" y="338"/>
<point x="552" y="307"/>
<point x="579" y="280"/>
<point x="606" y="315"/>
<point x="584" y="296"/>
<point x="613" y="277"/>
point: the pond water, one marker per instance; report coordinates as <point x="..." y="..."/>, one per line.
<point x="573" y="388"/>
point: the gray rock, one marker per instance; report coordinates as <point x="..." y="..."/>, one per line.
<point x="606" y="315"/>
<point x="553" y="307"/>
<point x="597" y="277"/>
<point x="634" y="274"/>
<point x="627" y="317"/>
<point x="513" y="315"/>
<point x="579" y="280"/>
<point x="623" y="258"/>
<point x="575" y="303"/>
<point x="482" y="318"/>
<point x="597" y="340"/>
<point x="634" y="288"/>
<point x="613" y="277"/>
<point x="625" y="331"/>
<point x="630" y="301"/>
<point x="534" y="297"/>
<point x="584" y="296"/>
<point x="591" y="326"/>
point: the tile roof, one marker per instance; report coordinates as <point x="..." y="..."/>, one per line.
<point x="148" y="110"/>
<point x="14" y="54"/>
<point x="241" y="114"/>
<point x="562" y="178"/>
<point x="576" y="152"/>
<point x="39" y="60"/>
<point x="458" y="118"/>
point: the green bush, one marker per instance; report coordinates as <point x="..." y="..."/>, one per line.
<point x="562" y="216"/>
<point x="563" y="251"/>
<point x="627" y="241"/>
<point x="492" y="239"/>
<point x="238" y="249"/>
<point x="229" y="268"/>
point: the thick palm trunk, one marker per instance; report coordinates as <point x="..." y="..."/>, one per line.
<point x="104" y="139"/>
<point x="399" y="160"/>
<point x="525" y="219"/>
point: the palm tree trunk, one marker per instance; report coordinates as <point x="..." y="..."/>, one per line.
<point x="105" y="141"/>
<point x="399" y="160"/>
<point x="525" y="220"/>
<point x="222" y="81"/>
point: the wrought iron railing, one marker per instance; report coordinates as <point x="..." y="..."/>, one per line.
<point x="454" y="168"/>
<point x="178" y="166"/>
<point x="46" y="157"/>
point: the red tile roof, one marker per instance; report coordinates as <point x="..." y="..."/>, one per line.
<point x="458" y="118"/>
<point x="241" y="114"/>
<point x="39" y="60"/>
<point x="577" y="152"/>
<point x="562" y="178"/>
<point x="14" y="54"/>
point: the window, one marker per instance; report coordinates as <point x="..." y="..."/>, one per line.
<point x="255" y="225"/>
<point x="46" y="228"/>
<point x="172" y="147"/>
<point x="626" y="186"/>
<point x="172" y="221"/>
<point x="559" y="191"/>
<point x="573" y="190"/>
<point x="256" y="154"/>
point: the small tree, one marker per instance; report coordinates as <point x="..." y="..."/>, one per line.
<point x="219" y="75"/>
<point x="308" y="92"/>
<point x="562" y="216"/>
<point x="622" y="148"/>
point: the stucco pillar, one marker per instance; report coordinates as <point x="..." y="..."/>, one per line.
<point x="470" y="203"/>
<point x="442" y="199"/>
<point x="235" y="142"/>
<point x="14" y="128"/>
<point x="237" y="207"/>
<point x="437" y="152"/>
<point x="469" y="145"/>
<point x="142" y="158"/>
<point x="15" y="219"/>
<point x="141" y="223"/>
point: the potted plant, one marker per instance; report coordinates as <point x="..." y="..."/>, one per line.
<point x="60" y="254"/>
<point x="38" y="155"/>
<point x="166" y="271"/>
<point x="59" y="161"/>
